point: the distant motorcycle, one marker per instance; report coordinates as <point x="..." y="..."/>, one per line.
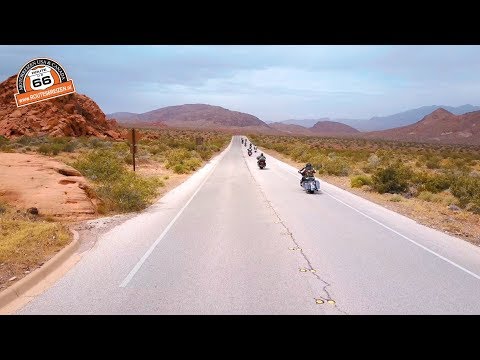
<point x="311" y="185"/>
<point x="249" y="152"/>
<point x="261" y="163"/>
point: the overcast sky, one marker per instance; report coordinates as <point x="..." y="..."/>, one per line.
<point x="273" y="83"/>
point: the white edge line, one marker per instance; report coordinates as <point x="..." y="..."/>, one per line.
<point x="394" y="231"/>
<point x="165" y="231"/>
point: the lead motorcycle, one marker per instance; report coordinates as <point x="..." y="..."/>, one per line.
<point x="310" y="184"/>
<point x="261" y="163"/>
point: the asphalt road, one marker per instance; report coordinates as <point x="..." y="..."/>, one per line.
<point x="234" y="239"/>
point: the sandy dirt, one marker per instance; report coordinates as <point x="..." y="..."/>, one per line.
<point x="55" y="189"/>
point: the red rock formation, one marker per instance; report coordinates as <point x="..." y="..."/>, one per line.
<point x="69" y="115"/>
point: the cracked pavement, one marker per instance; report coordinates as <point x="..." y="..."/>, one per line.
<point x="229" y="251"/>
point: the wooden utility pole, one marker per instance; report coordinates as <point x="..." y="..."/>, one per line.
<point x="133" y="137"/>
<point x="134" y="145"/>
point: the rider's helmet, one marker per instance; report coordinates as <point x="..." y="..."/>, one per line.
<point x="261" y="154"/>
<point x="308" y="165"/>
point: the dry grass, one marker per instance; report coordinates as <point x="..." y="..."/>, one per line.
<point x="26" y="242"/>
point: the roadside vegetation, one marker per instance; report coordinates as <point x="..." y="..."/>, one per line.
<point x="444" y="174"/>
<point x="163" y="156"/>
<point x="108" y="164"/>
<point x="26" y="242"/>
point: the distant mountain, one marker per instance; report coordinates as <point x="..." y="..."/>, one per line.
<point x="408" y="117"/>
<point x="332" y="128"/>
<point x="440" y="126"/>
<point x="388" y="122"/>
<point x="304" y="122"/>
<point x="291" y="128"/>
<point x="194" y="116"/>
<point x="124" y="116"/>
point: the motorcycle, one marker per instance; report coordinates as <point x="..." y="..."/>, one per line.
<point x="261" y="163"/>
<point x="249" y="152"/>
<point x="310" y="184"/>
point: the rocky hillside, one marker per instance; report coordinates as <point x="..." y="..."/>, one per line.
<point x="291" y="128"/>
<point x="69" y="115"/>
<point x="193" y="116"/>
<point x="332" y="128"/>
<point x="440" y="126"/>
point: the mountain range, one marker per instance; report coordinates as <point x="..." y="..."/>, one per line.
<point x="441" y="126"/>
<point x="391" y="121"/>
<point x="78" y="115"/>
<point x="195" y="116"/>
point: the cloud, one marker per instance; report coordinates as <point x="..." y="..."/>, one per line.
<point x="272" y="82"/>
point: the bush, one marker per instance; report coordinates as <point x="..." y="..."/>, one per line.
<point x="182" y="161"/>
<point x="467" y="190"/>
<point x="50" y="149"/>
<point x="70" y="146"/>
<point x="337" y="167"/>
<point x="3" y="140"/>
<point x="445" y="198"/>
<point x="118" y="188"/>
<point x="129" y="192"/>
<point x="425" y="196"/>
<point x="433" y="163"/>
<point x="100" y="165"/>
<point x="392" y="179"/>
<point x="359" y="181"/>
<point x="437" y="183"/>
<point x="396" y="198"/>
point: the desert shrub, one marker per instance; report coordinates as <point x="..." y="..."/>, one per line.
<point x="3" y="140"/>
<point x="26" y="140"/>
<point x="467" y="190"/>
<point x="396" y="198"/>
<point x="96" y="143"/>
<point x="157" y="149"/>
<point x="392" y="179"/>
<point x="128" y="159"/>
<point x="360" y="180"/>
<point x="50" y="149"/>
<point x="70" y="146"/>
<point x="336" y="167"/>
<point x="425" y="195"/>
<point x="100" y="165"/>
<point x="182" y="161"/>
<point x="433" y="162"/>
<point x="445" y="198"/>
<point x="118" y="188"/>
<point x="437" y="183"/>
<point x="373" y="161"/>
<point x="129" y="192"/>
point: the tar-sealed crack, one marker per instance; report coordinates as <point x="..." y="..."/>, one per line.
<point x="290" y="234"/>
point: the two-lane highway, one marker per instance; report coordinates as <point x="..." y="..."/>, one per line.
<point x="234" y="239"/>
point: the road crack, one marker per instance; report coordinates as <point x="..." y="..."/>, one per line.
<point x="302" y="252"/>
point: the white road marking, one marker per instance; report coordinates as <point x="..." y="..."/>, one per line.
<point x="162" y="235"/>
<point x="476" y="276"/>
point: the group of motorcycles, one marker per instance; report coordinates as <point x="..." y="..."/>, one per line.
<point x="262" y="163"/>
<point x="308" y="183"/>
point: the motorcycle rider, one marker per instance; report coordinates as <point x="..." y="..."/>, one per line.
<point x="261" y="157"/>
<point x="307" y="171"/>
